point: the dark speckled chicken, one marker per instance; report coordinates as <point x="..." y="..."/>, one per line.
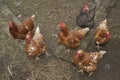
<point x="86" y="17"/>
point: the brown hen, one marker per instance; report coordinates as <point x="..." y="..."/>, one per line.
<point x="102" y="34"/>
<point x="70" y="39"/>
<point x="34" y="44"/>
<point x="19" y="31"/>
<point x="87" y="61"/>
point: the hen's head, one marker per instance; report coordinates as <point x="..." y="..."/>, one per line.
<point x="61" y="25"/>
<point x="28" y="37"/>
<point x="79" y="54"/>
<point x="86" y="8"/>
<point x="11" y="24"/>
<point x="108" y="35"/>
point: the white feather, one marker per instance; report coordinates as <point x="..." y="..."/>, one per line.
<point x="37" y="30"/>
<point x="80" y="51"/>
<point x="102" y="53"/>
<point x="33" y="16"/>
<point x="103" y="25"/>
<point x="86" y="29"/>
<point x="37" y="34"/>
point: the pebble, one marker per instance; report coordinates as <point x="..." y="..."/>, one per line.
<point x="54" y="35"/>
<point x="20" y="15"/>
<point x="107" y="66"/>
<point x="18" y="3"/>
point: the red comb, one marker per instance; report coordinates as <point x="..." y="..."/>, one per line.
<point x="108" y="35"/>
<point x="28" y="35"/>
<point x="86" y="8"/>
<point x="78" y="54"/>
<point x="28" y="38"/>
<point x="11" y="24"/>
<point x="60" y="24"/>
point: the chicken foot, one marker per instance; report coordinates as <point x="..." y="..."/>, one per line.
<point x="90" y="74"/>
<point x="98" y="46"/>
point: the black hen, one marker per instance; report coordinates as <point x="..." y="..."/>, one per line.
<point x="86" y="17"/>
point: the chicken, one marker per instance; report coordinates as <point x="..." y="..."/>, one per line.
<point x="102" y="34"/>
<point x="70" y="39"/>
<point x="87" y="61"/>
<point x="20" y="31"/>
<point x="34" y="43"/>
<point x="81" y="59"/>
<point x="86" y="17"/>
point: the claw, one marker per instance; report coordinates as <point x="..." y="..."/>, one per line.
<point x="23" y="43"/>
<point x="90" y="74"/>
<point x="46" y="53"/>
<point x="37" y="58"/>
<point x="98" y="46"/>
<point x="81" y="71"/>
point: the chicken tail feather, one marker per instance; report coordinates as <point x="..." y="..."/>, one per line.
<point x="103" y="25"/>
<point x="102" y="53"/>
<point x="86" y="29"/>
<point x="37" y="30"/>
<point x="33" y="16"/>
<point x="83" y="32"/>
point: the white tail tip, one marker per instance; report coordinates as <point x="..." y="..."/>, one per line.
<point x="37" y="30"/>
<point x="87" y="29"/>
<point x="105" y="20"/>
<point x="103" y="52"/>
<point x="103" y="24"/>
<point x="33" y="16"/>
<point x="80" y="51"/>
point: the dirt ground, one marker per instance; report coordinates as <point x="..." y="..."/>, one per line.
<point x="15" y="65"/>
